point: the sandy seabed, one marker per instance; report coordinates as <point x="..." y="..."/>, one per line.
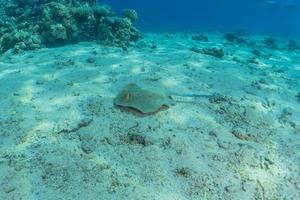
<point x="61" y="137"/>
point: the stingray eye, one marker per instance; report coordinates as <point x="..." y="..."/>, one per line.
<point x="127" y="96"/>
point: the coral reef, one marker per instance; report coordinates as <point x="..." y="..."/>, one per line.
<point x="28" y="25"/>
<point x="130" y="14"/>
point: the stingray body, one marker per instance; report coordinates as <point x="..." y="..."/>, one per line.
<point x="149" y="99"/>
<point x="145" y="100"/>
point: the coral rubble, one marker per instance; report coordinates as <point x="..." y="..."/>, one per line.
<point x="28" y="25"/>
<point x="293" y="45"/>
<point x="215" y="52"/>
<point x="298" y="96"/>
<point x="232" y="38"/>
<point x="270" y="43"/>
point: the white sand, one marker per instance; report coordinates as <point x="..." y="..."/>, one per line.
<point x="62" y="138"/>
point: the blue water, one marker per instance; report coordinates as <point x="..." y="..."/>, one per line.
<point x="91" y="110"/>
<point x="275" y="17"/>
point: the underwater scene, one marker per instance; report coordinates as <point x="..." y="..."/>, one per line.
<point x="149" y="100"/>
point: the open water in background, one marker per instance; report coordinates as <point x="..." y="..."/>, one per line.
<point x="271" y="17"/>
